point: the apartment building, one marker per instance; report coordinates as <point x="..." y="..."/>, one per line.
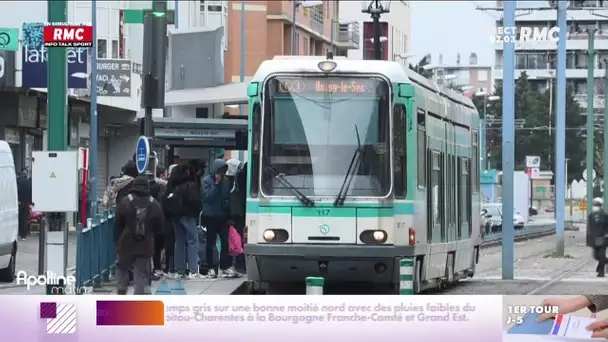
<point x="539" y="59"/>
<point x="268" y="32"/>
<point x="467" y="74"/>
<point x="395" y="30"/>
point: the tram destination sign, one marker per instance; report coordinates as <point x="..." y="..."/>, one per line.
<point x="340" y="85"/>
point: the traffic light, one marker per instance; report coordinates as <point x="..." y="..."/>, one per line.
<point x="154" y="64"/>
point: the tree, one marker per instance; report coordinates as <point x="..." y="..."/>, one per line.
<point x="536" y="137"/>
<point x="419" y="67"/>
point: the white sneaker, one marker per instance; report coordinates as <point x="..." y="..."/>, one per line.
<point x="170" y="275"/>
<point x="230" y="273"/>
<point x="211" y="274"/>
<point x="159" y="273"/>
<point x="195" y="276"/>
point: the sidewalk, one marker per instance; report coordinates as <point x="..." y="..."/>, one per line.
<point x="27" y="257"/>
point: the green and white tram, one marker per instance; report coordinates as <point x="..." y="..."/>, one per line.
<point x="354" y="165"/>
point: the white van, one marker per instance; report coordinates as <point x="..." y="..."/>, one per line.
<point x="9" y="214"/>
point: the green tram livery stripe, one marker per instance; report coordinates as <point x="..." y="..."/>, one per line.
<point x="328" y="210"/>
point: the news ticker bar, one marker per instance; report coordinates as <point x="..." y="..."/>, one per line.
<point x="231" y="318"/>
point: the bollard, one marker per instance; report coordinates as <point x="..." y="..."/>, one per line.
<point x="42" y="229"/>
<point x="314" y="285"/>
<point x="406" y="277"/>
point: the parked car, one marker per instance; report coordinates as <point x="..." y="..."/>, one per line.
<point x="493" y="217"/>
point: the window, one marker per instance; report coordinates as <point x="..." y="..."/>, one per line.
<point x="297" y="43"/>
<point x="421" y="148"/>
<point x="475" y="164"/>
<point x="368" y="40"/>
<point x="102" y="48"/>
<point x="312" y="138"/>
<point x="434" y="196"/>
<point x="399" y="141"/>
<point x="306" y="47"/>
<point x="255" y="152"/>
<point x="464" y="196"/>
<point x="202" y="113"/>
<point x="114" y="48"/>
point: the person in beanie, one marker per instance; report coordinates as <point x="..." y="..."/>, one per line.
<point x="597" y="234"/>
<point x="139" y="218"/>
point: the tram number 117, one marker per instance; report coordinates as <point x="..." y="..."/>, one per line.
<point x="323" y="212"/>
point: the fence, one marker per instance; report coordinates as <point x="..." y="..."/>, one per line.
<point x="95" y="251"/>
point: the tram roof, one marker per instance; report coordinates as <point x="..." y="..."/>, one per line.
<point x="309" y="64"/>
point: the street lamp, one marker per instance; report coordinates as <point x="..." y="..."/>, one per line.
<point x="295" y="4"/>
<point x="482" y="125"/>
<point x="402" y="56"/>
<point x="376" y="8"/>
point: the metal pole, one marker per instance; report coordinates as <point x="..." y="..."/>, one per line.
<point x="508" y="148"/>
<point x="176" y="14"/>
<point x="243" y="56"/>
<point x="294" y="5"/>
<point x="560" y="127"/>
<point x="331" y="35"/>
<point x="93" y="126"/>
<point x="605" y="148"/>
<point x="482" y="128"/>
<point x="590" y="118"/>
<point x="377" y="46"/>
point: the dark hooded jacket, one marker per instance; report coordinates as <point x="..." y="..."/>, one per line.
<point x="216" y="197"/>
<point x="182" y="182"/>
<point x="238" y="196"/>
<point x="126" y="245"/>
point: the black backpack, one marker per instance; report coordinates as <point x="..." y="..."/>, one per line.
<point x="172" y="202"/>
<point x="141" y="213"/>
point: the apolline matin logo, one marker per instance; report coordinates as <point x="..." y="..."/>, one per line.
<point x="50" y="278"/>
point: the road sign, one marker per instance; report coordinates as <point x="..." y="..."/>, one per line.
<point x="142" y="154"/>
<point x="9" y="39"/>
<point x="582" y="205"/>
<point x="136" y="16"/>
<point x="532" y="161"/>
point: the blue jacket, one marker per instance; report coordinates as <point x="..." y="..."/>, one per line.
<point x="215" y="196"/>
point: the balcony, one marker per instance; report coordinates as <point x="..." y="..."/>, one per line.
<point x="576" y="41"/>
<point x="317" y="23"/>
<point x="348" y="35"/>
<point x="548" y="73"/>
<point x="598" y="100"/>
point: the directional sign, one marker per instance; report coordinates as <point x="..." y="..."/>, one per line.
<point x="532" y="161"/>
<point x="142" y="154"/>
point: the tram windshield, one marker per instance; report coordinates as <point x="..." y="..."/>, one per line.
<point x="310" y="135"/>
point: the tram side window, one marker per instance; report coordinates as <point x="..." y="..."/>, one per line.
<point x="441" y="196"/>
<point x="422" y="156"/>
<point x="434" y="202"/>
<point x="465" y="195"/>
<point x="475" y="162"/>
<point x="255" y="162"/>
<point x="400" y="151"/>
<point x="469" y="195"/>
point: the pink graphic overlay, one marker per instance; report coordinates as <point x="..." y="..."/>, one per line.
<point x="267" y="318"/>
<point x="48" y="310"/>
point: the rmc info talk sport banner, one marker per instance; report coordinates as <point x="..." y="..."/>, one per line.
<point x="270" y="319"/>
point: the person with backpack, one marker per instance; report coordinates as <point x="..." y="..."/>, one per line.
<point x="139" y="218"/>
<point x="181" y="204"/>
<point x="597" y="235"/>
<point x="216" y="212"/>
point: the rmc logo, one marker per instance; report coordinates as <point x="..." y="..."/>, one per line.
<point x="508" y="34"/>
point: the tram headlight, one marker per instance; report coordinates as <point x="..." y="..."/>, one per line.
<point x="268" y="235"/>
<point x="327" y="66"/>
<point x="379" y="236"/>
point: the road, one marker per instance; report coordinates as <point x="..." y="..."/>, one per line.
<point x="537" y="271"/>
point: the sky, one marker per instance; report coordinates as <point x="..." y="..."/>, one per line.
<point x="452" y="27"/>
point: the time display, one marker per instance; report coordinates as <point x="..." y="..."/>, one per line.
<point x="342" y="85"/>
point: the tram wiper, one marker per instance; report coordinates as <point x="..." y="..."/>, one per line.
<point x="280" y="177"/>
<point x="352" y="167"/>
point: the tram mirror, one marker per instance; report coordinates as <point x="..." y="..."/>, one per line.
<point x="252" y="89"/>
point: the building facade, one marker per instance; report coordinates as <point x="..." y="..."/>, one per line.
<point x="395" y="30"/>
<point x="467" y="75"/>
<point x="539" y="59"/>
